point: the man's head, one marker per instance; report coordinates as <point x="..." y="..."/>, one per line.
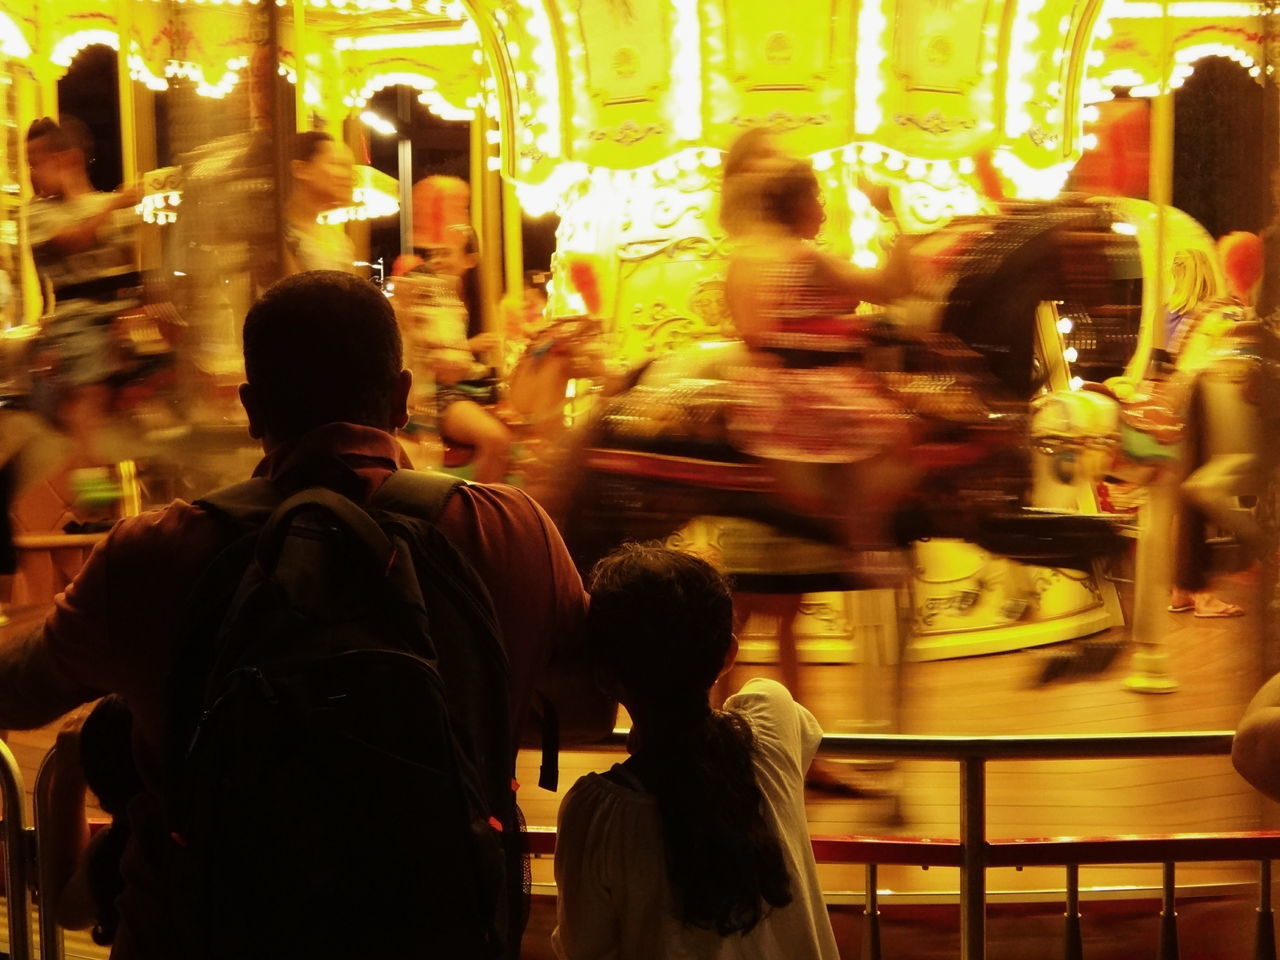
<point x="322" y="347"/>
<point x="58" y="154"/>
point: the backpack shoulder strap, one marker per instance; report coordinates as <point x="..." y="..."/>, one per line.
<point x="416" y="493"/>
<point x="249" y="503"/>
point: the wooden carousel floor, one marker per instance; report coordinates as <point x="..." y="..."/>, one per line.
<point x="1216" y="663"/>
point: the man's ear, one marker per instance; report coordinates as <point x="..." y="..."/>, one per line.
<point x="249" y="400"/>
<point x="400" y="400"/>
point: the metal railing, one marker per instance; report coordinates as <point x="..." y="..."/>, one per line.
<point x="972" y="853"/>
<point x="19" y="853"/>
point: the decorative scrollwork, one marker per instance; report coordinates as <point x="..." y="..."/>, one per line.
<point x="782" y="122"/>
<point x="629" y="133"/>
<point x="1042" y="138"/>
<point x="934" y="122"/>
<point x="959" y="602"/>
<point x="828" y="615"/>
<point x="677" y="248"/>
<point x="666" y="330"/>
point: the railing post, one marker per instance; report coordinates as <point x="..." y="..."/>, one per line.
<point x="973" y="858"/>
<point x="871" y="916"/>
<point x="1073" y="946"/>
<point x="16" y="854"/>
<point x="1168" y="916"/>
<point x="47" y="929"/>
<point x="1264" y="944"/>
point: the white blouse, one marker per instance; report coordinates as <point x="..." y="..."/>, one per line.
<point x="615" y="901"/>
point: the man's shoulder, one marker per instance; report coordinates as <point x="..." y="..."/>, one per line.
<point x="181" y="527"/>
<point x="478" y="502"/>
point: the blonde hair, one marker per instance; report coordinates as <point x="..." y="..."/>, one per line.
<point x="1194" y="281"/>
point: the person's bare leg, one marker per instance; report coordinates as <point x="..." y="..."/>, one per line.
<point x="467" y="422"/>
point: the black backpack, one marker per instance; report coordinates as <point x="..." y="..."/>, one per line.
<point x="341" y="763"/>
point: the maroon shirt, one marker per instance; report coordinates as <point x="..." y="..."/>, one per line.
<point x="115" y="627"/>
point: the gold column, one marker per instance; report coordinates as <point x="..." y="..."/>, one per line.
<point x="513" y="238"/>
<point x="128" y="116"/>
<point x="490" y="240"/>
<point x="1154" y="571"/>
<point x="301" y="109"/>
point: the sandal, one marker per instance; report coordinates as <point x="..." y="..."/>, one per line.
<point x="1225" y="611"/>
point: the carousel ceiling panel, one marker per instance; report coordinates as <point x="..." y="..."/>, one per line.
<point x="631" y="100"/>
<point x="1130" y="55"/>
<point x="792" y="75"/>
<point x="939" y="101"/>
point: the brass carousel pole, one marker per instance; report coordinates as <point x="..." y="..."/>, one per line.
<point x="279" y="103"/>
<point x="1150" y="663"/>
<point x="404" y="155"/>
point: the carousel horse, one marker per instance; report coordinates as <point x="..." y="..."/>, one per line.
<point x="535" y="401"/>
<point x="659" y="452"/>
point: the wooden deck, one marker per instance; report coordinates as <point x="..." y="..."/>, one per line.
<point x="1216" y="662"/>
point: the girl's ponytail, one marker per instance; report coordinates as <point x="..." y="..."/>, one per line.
<point x="661" y="626"/>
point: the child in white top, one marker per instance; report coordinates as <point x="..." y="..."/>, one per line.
<point x="696" y="846"/>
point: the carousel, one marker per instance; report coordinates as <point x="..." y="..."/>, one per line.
<point x="1008" y="138"/>
<point x="1033" y="153"/>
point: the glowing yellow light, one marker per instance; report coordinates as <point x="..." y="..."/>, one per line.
<point x="1076" y="383"/>
<point x="1032" y="183"/>
<point x="686" y="70"/>
<point x="378" y="123"/>
<point x="1071" y="355"/>
<point x="411" y="40"/>
<point x="1065" y="325"/>
<point x="1188" y="8"/>
<point x="367" y="204"/>
<point x="870" y="63"/>
<point x="12" y="41"/>
<point x="66" y="49"/>
<point x="1124" y="228"/>
<point x="545" y="86"/>
<point x="1022" y="67"/>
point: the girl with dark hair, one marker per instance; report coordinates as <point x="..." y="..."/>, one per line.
<point x="697" y="845"/>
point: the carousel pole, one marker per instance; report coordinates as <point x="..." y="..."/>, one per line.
<point x="275" y="126"/>
<point x="513" y="238"/>
<point x="1156" y="519"/>
<point x="481" y="200"/>
<point x="301" y="109"/>
<point x="124" y="83"/>
<point x="404" y="154"/>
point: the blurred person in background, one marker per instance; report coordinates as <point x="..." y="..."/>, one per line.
<point x="83" y="244"/>
<point x="1206" y="324"/>
<point x="436" y="322"/>
<point x="323" y="178"/>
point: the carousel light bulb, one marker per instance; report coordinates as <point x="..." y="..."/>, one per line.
<point x="1065" y="326"/>
<point x="1071" y="355"/>
<point x="378" y="124"/>
<point x="1076" y="383"/>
